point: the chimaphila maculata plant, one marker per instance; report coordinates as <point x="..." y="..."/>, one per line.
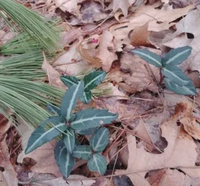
<point x="69" y="125"/>
<point x="174" y="78"/>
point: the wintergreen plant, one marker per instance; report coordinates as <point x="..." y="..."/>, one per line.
<point x="174" y="78"/>
<point x="69" y="125"/>
<point x="91" y="81"/>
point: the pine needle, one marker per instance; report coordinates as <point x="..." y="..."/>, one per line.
<point x="31" y="23"/>
<point x="28" y="99"/>
<point x="23" y="66"/>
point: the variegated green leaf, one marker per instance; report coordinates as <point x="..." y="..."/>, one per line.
<point x="69" y="80"/>
<point x="182" y="90"/>
<point x="100" y="139"/>
<point x="83" y="152"/>
<point x="148" y="56"/>
<point x="40" y="136"/>
<point x="64" y="160"/>
<point x="175" y="74"/>
<point x="91" y="118"/>
<point x="69" y="140"/>
<point x="53" y="109"/>
<point x="70" y="98"/>
<point x="87" y="96"/>
<point x="93" y="79"/>
<point x="53" y="119"/>
<point x="87" y="131"/>
<point x="97" y="164"/>
<point x="176" y="56"/>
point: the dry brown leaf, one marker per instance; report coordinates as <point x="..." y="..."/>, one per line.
<point x="92" y="12"/>
<point x="139" y="36"/>
<point x="141" y="75"/>
<point x="4" y="126"/>
<point x="88" y="51"/>
<point x="183" y="3"/>
<point x="71" y="63"/>
<point x="44" y="156"/>
<point x="170" y="177"/>
<point x="152" y="125"/>
<point x="8" y="176"/>
<point x="157" y="19"/>
<point x="52" y="73"/>
<point x="123" y="5"/>
<point x="76" y="181"/>
<point x="106" y="50"/>
<point x="70" y="36"/>
<point x="191" y="126"/>
<point x="128" y="109"/>
<point x="125" y="112"/>
<point x="178" y="143"/>
<point x="68" y="5"/>
<point x="189" y="24"/>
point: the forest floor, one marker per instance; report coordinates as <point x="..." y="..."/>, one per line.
<point x="155" y="140"/>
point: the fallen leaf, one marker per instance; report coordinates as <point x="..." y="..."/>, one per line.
<point x="4" y="126"/>
<point x="71" y="63"/>
<point x="123" y="5"/>
<point x="189" y="24"/>
<point x="178" y="143"/>
<point x="45" y="180"/>
<point x="8" y="176"/>
<point x="69" y="6"/>
<point x="91" y="12"/>
<point x="122" y="180"/>
<point x="142" y="76"/>
<point x="139" y="36"/>
<point x="171" y="177"/>
<point x="183" y="3"/>
<point x="106" y="50"/>
<point x="157" y="19"/>
<point x="52" y="73"/>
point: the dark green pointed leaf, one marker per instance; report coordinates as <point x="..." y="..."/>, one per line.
<point x="86" y="98"/>
<point x="70" y="98"/>
<point x="87" y="131"/>
<point x="100" y="139"/>
<point x="97" y="164"/>
<point x="91" y="118"/>
<point x="69" y="80"/>
<point x="40" y="136"/>
<point x="83" y="152"/>
<point x="182" y="90"/>
<point x="64" y="160"/>
<point x="148" y="56"/>
<point x="175" y="74"/>
<point x="69" y="140"/>
<point x="176" y="56"/>
<point x="53" y="119"/>
<point x="93" y="79"/>
<point x="53" y="109"/>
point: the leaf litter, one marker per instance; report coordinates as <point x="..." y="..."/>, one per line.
<point x="154" y="141"/>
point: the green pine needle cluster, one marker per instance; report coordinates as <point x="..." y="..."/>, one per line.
<point x="22" y="91"/>
<point x="25" y="20"/>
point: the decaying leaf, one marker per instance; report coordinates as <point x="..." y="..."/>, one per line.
<point x="53" y="74"/>
<point x="142" y="75"/>
<point x="71" y="63"/>
<point x="70" y="6"/>
<point x="157" y="19"/>
<point x="123" y="5"/>
<point x="170" y="177"/>
<point x="106" y="51"/>
<point x="189" y="24"/>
